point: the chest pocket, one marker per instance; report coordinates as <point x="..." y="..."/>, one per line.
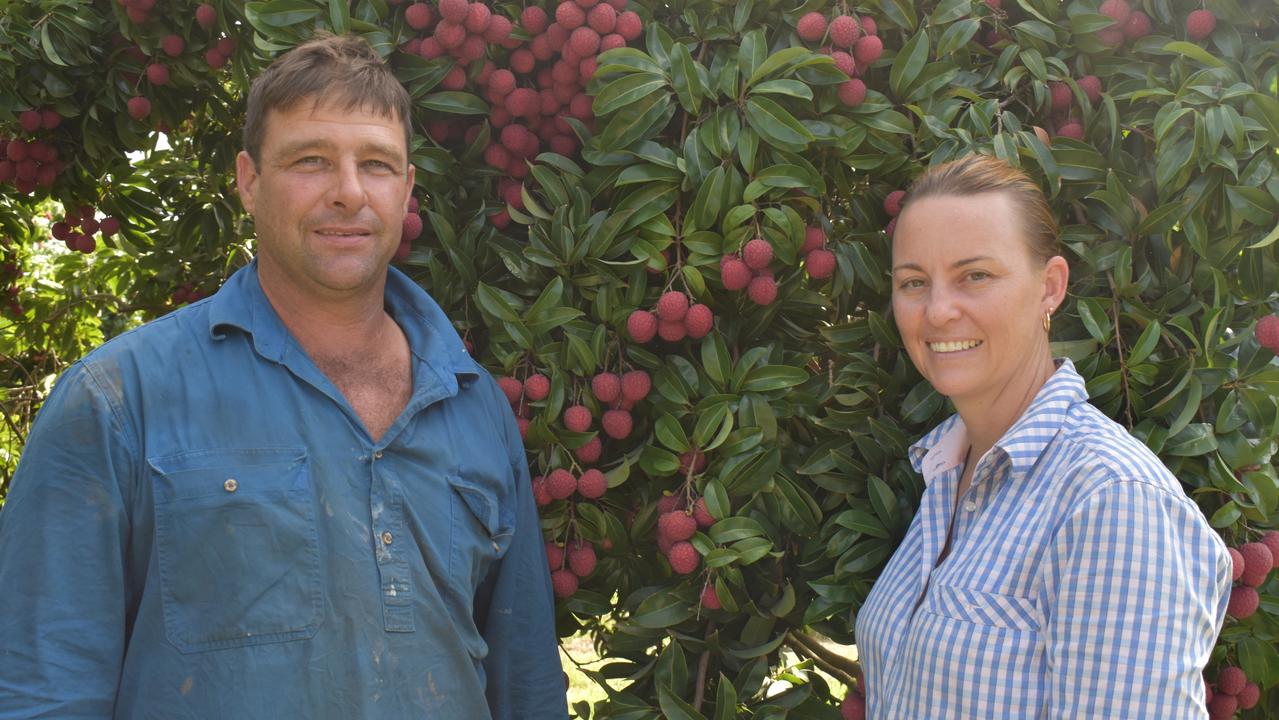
<point x="237" y="547"/>
<point x="483" y="524"/>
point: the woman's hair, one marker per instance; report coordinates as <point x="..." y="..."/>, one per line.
<point x="977" y="174"/>
<point x="341" y="69"/>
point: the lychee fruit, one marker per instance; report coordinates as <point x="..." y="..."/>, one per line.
<point x="762" y="290"/>
<point x="698" y="321"/>
<point x="511" y="388"/>
<point x="676" y="525"/>
<point x="477" y="18"/>
<point x="1223" y="706"/>
<point x="50" y="119"/>
<point x="592" y="484"/>
<point x="1117" y="10"/>
<point x="672" y="306"/>
<point x="617" y="424"/>
<point x="1091" y="85"/>
<point x="581" y="559"/>
<point x="564" y="582"/>
<point x="684" y="558"/>
<point x="641" y="325"/>
<point x="29" y="120"/>
<point x="455" y="11"/>
<point x="584" y="41"/>
<point x="537" y="386"/>
<point x="814" y="237"/>
<point x="757" y="254"/>
<point x="1200" y="24"/>
<point x="560" y="483"/>
<point x="1138" y="26"/>
<point x="629" y="25"/>
<point x="1271" y="540"/>
<point x="1249" y="696"/>
<point x="206" y="16"/>
<point x="1231" y="680"/>
<point x="602" y="18"/>
<point x="157" y="74"/>
<point x="844" y="62"/>
<point x="449" y="34"/>
<point x="577" y="418"/>
<point x="606" y="386"/>
<point x="1072" y="129"/>
<point x="173" y="45"/>
<point x="735" y="274"/>
<point x="671" y="330"/>
<point x="554" y="556"/>
<point x="411" y="227"/>
<point x="811" y="27"/>
<point x="1267" y="333"/>
<point x="709" y="599"/>
<point x="700" y="513"/>
<point x="852" y="92"/>
<point x="1243" y="602"/>
<point x="636" y="385"/>
<point x="869" y="26"/>
<point x="1060" y="97"/>
<point x="867" y="50"/>
<point x="1236" y="564"/>
<point x="569" y="15"/>
<point x="1257" y="562"/>
<point x="844" y="31"/>
<point x="534" y="20"/>
<point x="820" y="263"/>
<point x="139" y="107"/>
<point x="853" y="707"/>
<point x="419" y="16"/>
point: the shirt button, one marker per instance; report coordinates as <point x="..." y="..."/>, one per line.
<point x="386" y="537"/>
<point x="230" y="485"/>
<point x="970" y="506"/>
<point x="377" y="455"/>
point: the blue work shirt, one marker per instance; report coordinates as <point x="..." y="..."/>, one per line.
<point x="201" y="527"/>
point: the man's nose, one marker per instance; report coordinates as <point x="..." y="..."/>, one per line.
<point x="347" y="192"/>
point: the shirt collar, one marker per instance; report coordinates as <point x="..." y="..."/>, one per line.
<point x="241" y="303"/>
<point x="943" y="447"/>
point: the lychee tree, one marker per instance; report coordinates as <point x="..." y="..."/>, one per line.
<point x="666" y="228"/>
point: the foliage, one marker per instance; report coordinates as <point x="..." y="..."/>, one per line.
<point x="717" y="126"/>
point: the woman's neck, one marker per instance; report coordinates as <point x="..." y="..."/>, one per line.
<point x="988" y="418"/>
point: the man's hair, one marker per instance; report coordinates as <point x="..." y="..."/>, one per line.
<point x="977" y="174"/>
<point x="337" y="69"/>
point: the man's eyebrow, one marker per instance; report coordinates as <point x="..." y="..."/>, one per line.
<point x="321" y="144"/>
<point x="956" y="264"/>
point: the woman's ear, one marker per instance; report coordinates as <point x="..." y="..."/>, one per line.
<point x="1056" y="277"/>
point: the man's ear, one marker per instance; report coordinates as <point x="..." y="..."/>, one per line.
<point x="246" y="179"/>
<point x="408" y="193"/>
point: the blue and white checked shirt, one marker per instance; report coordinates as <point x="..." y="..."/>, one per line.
<point x="1081" y="581"/>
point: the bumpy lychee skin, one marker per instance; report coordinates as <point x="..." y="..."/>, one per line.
<point x="173" y="45"/>
<point x="676" y="525"/>
<point x="1270" y="539"/>
<point x="1268" y="333"/>
<point x="701" y="514"/>
<point x="672" y="306"/>
<point x="537" y="386"/>
<point x="1257" y="562"/>
<point x="602" y="18"/>
<point x="684" y="558"/>
<point x="1060" y="97"/>
<point x="811" y="27"/>
<point x="577" y="418"/>
<point x="852" y="92"/>
<point x="762" y="290"/>
<point x="820" y="264"/>
<point x="735" y="274"/>
<point x="844" y="31"/>
<point x="584" y="41"/>
<point x="641" y="326"/>
<point x="1236" y="564"/>
<point x="1231" y="680"/>
<point x="418" y="16"/>
<point x="1138" y="26"/>
<point x="157" y="74"/>
<point x="1223" y="706"/>
<point x="757" y="254"/>
<point x="629" y="25"/>
<point x="511" y="388"/>
<point x="867" y="50"/>
<point x="1071" y="129"/>
<point x="1117" y="10"/>
<point x="206" y="16"/>
<point x="617" y="424"/>
<point x="570" y="15"/>
<point x="698" y="321"/>
<point x="636" y="385"/>
<point x="1091" y="85"/>
<point x="564" y="582"/>
<point x="1200" y="24"/>
<point x="1243" y="602"/>
<point x="1249" y="696"/>
<point x="454" y="10"/>
<point x="581" y="558"/>
<point x="139" y="107"/>
<point x="814" y="237"/>
<point x="591" y="451"/>
<point x="606" y="386"/>
<point x="592" y="484"/>
<point x="411" y="227"/>
<point x="709" y="599"/>
<point x="560" y="483"/>
<point x="554" y="556"/>
<point x="671" y="330"/>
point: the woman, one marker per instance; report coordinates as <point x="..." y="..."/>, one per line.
<point x="1055" y="569"/>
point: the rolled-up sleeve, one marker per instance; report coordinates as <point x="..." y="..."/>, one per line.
<point x="515" y="610"/>
<point x="1135" y="590"/>
<point x="63" y="534"/>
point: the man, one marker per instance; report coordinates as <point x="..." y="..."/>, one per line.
<point x="299" y="498"/>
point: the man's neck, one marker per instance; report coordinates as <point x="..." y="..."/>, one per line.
<point x="334" y="326"/>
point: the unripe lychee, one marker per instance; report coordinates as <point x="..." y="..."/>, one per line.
<point x="581" y="558"/>
<point x="1236" y="564"/>
<point x="636" y="385"/>
<point x="537" y="386"/>
<point x="1117" y="10"/>
<point x="411" y="227"/>
<point x="1243" y="602"/>
<point x="511" y="388"/>
<point x="554" y="556"/>
<point x="684" y="558"/>
<point x="560" y="483"/>
<point x="1138" y="26"/>
<point x="1091" y="85"/>
<point x="1257" y="562"/>
<point x="419" y="16"/>
<point x="811" y="27"/>
<point x="672" y="306"/>
<point x="617" y="424"/>
<point x="139" y="107"/>
<point x="173" y="45"/>
<point x="867" y="50"/>
<point x="1200" y="24"/>
<point x="591" y="451"/>
<point x="455" y="11"/>
<point x="206" y="16"/>
<point x="709" y="599"/>
<point x="852" y="92"/>
<point x="1060" y="97"/>
<point x="762" y="290"/>
<point x="641" y="326"/>
<point x="757" y="254"/>
<point x="1231" y="680"/>
<point x="1267" y="333"/>
<point x="629" y="25"/>
<point x="570" y="15"/>
<point x="820" y="263"/>
<point x="844" y="31"/>
<point x="564" y="582"/>
<point x="698" y="321"/>
<point x="577" y="418"/>
<point x="734" y="274"/>
<point x="606" y="386"/>
<point x="592" y="484"/>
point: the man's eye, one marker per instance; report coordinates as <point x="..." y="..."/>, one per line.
<point x="310" y="160"/>
<point x="978" y="275"/>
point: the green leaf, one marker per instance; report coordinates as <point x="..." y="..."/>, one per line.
<point x="280" y="13"/>
<point x="670" y="434"/>
<point x="454" y="103"/>
<point x="626" y="90"/>
<point x="1259" y="660"/>
<point x="883" y="501"/>
<point x="774" y="124"/>
<point x="1145" y="343"/>
<point x="776" y="63"/>
<point x="773" y="377"/>
<point x="791" y="88"/>
<point x="731" y="529"/>
<point x="661" y="610"/>
<point x="675" y="708"/>
<point x="1265" y="110"/>
<point x="685" y="79"/>
<point x="1194" y="52"/>
<point x="715" y="359"/>
<point x="909" y="61"/>
<point x="492" y="302"/>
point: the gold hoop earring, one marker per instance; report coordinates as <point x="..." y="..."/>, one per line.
<point x="1048" y="320"/>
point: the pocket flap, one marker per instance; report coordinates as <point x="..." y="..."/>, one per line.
<point x="983" y="608"/>
<point x="184" y="476"/>
<point x="489" y="508"/>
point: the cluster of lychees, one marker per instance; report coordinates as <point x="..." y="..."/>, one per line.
<point x="187" y="293"/>
<point x="673" y="319"/>
<point x="77" y="228"/>
<point x="750" y="270"/>
<point x="569" y="564"/>
<point x="156" y="69"/>
<point x="854" y="46"/>
<point x="560" y="484"/>
<point x="1232" y="692"/>
<point x="30" y="164"/>
<point x="677" y="521"/>
<point x="1064" y="121"/>
<point x="1252" y="564"/>
<point x="537" y="87"/>
<point x="1267" y="333"/>
<point x="1130" y="25"/>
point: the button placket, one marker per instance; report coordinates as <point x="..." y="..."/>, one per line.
<point x="393" y="566"/>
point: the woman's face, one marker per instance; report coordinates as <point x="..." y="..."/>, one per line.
<point x="969" y="298"/>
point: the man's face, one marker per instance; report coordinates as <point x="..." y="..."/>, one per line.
<point x="328" y="196"/>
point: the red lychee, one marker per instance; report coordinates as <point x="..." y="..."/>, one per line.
<point x="455" y="11"/>
<point x="1267" y="332"/>
<point x="867" y="50"/>
<point x="581" y="558"/>
<point x="554" y="556"/>
<point x="853" y="707"/>
<point x="672" y="306"/>
<point x="29" y="120"/>
<point x="820" y="263"/>
<point x="844" y="62"/>
<point x="577" y="418"/>
<point x="50" y="119"/>
<point x="852" y="92"/>
<point x="564" y="582"/>
<point x="869" y="27"/>
<point x="814" y="238"/>
<point x="592" y="484"/>
<point x="1243" y="602"/>
<point x="757" y="253"/>
<point x="591" y="451"/>
<point x="700" y="513"/>
<point x="454" y="79"/>
<point x="698" y="321"/>
<point x="636" y="385"/>
<point x="1271" y="540"/>
<point x="511" y="388"/>
<point x="499" y="29"/>
<point x="893" y="202"/>
<point x="411" y="227"/>
<point x="449" y="34"/>
<point x="477" y="18"/>
<point x="1091" y="85"/>
<point x="1249" y="696"/>
<point x="501" y="82"/>
<point x="157" y="74"/>
<point x="1231" y="680"/>
<point x="617" y="424"/>
<point x="1222" y="706"/>
<point x="1138" y="26"/>
<point x="684" y="558"/>
<point x="1060" y="97"/>
<point x="676" y="525"/>
<point x="523" y="102"/>
<point x="534" y="20"/>
<point x="570" y="15"/>
<point x="1072" y="129"/>
<point x="206" y="16"/>
<point x="811" y="27"/>
<point x="629" y="25"/>
<point x="667" y="503"/>
<point x="1236" y="564"/>
<point x="419" y="16"/>
<point x="734" y="274"/>
<point x="602" y="18"/>
<point x="641" y="326"/>
<point x="1117" y="10"/>
<point x="1200" y="24"/>
<point x="537" y="386"/>
<point x="709" y="599"/>
<point x="606" y="386"/>
<point x="844" y="31"/>
<point x="139" y="107"/>
<point x="762" y="290"/>
<point x="173" y="45"/>
<point x="560" y="483"/>
<point x="584" y="41"/>
<point x="612" y="41"/>
<point x="1257" y="563"/>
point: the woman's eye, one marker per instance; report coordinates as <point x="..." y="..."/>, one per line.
<point x="978" y="275"/>
<point x="911" y="284"/>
